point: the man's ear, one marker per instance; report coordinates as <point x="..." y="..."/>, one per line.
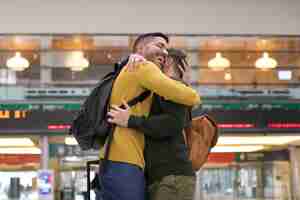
<point x="138" y="49"/>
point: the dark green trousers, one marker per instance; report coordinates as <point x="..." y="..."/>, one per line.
<point x="173" y="188"/>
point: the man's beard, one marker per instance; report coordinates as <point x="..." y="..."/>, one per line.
<point x="157" y="58"/>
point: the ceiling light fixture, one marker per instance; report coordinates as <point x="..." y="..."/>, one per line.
<point x="265" y="62"/>
<point x="76" y="61"/>
<point x="17" y="62"/>
<point x="246" y="148"/>
<point x="29" y="150"/>
<point x="70" y="141"/>
<point x="219" y="62"/>
<point x="227" y="76"/>
<point x="16" y="142"/>
<point x="257" y="140"/>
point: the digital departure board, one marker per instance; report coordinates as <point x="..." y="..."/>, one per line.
<point x="34" y="121"/>
<point x="258" y="121"/>
<point x="36" y="118"/>
<point x="57" y="117"/>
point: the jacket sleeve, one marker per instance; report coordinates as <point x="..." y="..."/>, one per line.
<point x="170" y="121"/>
<point x="151" y="78"/>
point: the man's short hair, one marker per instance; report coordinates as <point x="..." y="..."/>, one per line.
<point x="142" y="37"/>
<point x="180" y="59"/>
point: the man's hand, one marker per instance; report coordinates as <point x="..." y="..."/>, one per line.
<point x="134" y="60"/>
<point x="119" y="116"/>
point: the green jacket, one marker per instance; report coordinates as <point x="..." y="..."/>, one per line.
<point x="165" y="151"/>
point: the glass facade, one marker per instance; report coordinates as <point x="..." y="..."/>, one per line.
<point x="242" y="181"/>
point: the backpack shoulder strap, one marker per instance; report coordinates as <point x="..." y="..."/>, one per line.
<point x="139" y="98"/>
<point x="132" y="102"/>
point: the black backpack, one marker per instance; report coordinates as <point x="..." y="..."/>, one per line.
<point x="90" y="127"/>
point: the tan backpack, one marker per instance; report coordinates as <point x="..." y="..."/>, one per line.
<point x="200" y="137"/>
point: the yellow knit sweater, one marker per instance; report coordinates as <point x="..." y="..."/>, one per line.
<point x="128" y="144"/>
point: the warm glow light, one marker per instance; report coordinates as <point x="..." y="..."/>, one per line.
<point x="16" y="142"/>
<point x="236" y="125"/>
<point x="284" y="75"/>
<point x="77" y="39"/>
<point x="70" y="141"/>
<point x="72" y="159"/>
<point x="218" y="62"/>
<point x="17" y="63"/>
<point x="32" y="150"/>
<point x="58" y="126"/>
<point x="76" y="61"/>
<point x="266" y="62"/>
<point x="256" y="140"/>
<point x="227" y="76"/>
<point x="247" y="148"/>
<point x="283" y="125"/>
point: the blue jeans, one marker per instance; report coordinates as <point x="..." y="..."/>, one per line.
<point x="122" y="181"/>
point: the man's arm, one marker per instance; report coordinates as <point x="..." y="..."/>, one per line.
<point x="151" y="78"/>
<point x="169" y="121"/>
<point x="161" y="125"/>
<point x="155" y="126"/>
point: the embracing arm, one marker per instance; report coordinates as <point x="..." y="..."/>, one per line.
<point x="171" y="121"/>
<point x="155" y="126"/>
<point x="151" y="78"/>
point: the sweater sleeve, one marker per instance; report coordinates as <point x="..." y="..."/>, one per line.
<point x="151" y="78"/>
<point x="169" y="122"/>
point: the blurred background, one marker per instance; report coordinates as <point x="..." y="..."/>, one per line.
<point x="245" y="58"/>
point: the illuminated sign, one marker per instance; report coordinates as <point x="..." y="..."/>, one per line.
<point x="283" y="125"/>
<point x="46" y="184"/>
<point x="34" y="121"/>
<point x="15" y="114"/>
<point x="58" y="126"/>
<point x="239" y="125"/>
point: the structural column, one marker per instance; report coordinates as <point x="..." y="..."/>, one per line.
<point x="45" y="152"/>
<point x="198" y="189"/>
<point x="259" y="181"/>
<point x="295" y="171"/>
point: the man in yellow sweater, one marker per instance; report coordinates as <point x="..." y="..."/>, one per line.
<point x="123" y="178"/>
